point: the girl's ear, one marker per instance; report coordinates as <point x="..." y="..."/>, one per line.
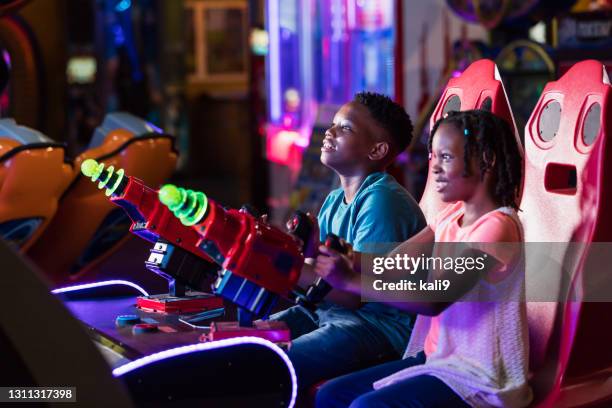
<point x="379" y="151"/>
<point x="490" y="160"/>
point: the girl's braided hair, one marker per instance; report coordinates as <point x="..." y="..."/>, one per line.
<point x="490" y="139"/>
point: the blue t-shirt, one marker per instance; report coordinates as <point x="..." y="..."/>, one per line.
<point x="381" y="215"/>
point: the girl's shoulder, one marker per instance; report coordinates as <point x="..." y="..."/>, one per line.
<point x="500" y="225"/>
<point x="448" y="213"/>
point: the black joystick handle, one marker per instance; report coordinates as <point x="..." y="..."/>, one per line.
<point x="320" y="288"/>
<point x="300" y="226"/>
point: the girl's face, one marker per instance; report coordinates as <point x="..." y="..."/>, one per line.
<point x="448" y="167"/>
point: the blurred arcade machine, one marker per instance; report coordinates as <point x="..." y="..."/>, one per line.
<point x="225" y="149"/>
<point x="33" y="167"/>
<point x="20" y="68"/>
<point x="584" y="33"/>
<point x="32" y="37"/>
<point x="320" y="54"/>
<point x="527" y="61"/>
<point x="112" y="64"/>
<point x="526" y="67"/>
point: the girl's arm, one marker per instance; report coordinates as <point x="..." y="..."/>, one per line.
<point x="344" y="272"/>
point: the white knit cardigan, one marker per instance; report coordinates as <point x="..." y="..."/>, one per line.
<point x="483" y="348"/>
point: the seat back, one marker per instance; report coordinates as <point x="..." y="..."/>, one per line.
<point x="564" y="205"/>
<point x="33" y="176"/>
<point x="478" y="87"/>
<point x="88" y="227"/>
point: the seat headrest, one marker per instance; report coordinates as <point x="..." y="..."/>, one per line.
<point x="24" y="135"/>
<point x="122" y="120"/>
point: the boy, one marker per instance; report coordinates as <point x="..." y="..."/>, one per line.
<point x="366" y="136"/>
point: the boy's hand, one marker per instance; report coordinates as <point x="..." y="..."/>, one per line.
<point x="310" y="250"/>
<point x="334" y="267"/>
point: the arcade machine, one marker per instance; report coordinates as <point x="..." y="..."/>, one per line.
<point x="87" y="229"/>
<point x="314" y="65"/>
<point x="489" y="14"/>
<point x="493" y="14"/>
<point x="290" y="79"/>
<point x="585" y="33"/>
<point x="33" y="175"/>
<point x="112" y="65"/>
<point x="224" y="373"/>
<point x="197" y="245"/>
<point x="526" y="68"/>
<point x="22" y="68"/>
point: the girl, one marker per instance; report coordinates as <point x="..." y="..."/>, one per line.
<point x="463" y="352"/>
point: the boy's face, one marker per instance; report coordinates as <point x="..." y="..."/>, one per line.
<point x="448" y="167"/>
<point x="349" y="141"/>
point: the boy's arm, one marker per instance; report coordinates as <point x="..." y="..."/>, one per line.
<point x="340" y="297"/>
<point x="308" y="275"/>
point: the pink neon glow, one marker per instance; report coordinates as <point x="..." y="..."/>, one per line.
<point x="279" y="145"/>
<point x="99" y="284"/>
<point x="213" y="345"/>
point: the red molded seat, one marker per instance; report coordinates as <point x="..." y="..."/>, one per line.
<point x="478" y="87"/>
<point x="566" y="201"/>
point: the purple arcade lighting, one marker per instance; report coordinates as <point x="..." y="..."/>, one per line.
<point x="99" y="284"/>
<point x="213" y="345"/>
<point x="274" y="59"/>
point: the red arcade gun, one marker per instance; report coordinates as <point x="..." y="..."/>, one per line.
<point x="196" y="239"/>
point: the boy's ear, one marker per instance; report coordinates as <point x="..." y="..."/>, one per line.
<point x="379" y="151"/>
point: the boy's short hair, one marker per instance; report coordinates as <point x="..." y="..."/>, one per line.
<point x="390" y="116"/>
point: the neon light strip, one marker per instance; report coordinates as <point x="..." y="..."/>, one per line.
<point x="351" y="14"/>
<point x="213" y="345"/>
<point x="99" y="284"/>
<point x="307" y="72"/>
<point x="274" y="58"/>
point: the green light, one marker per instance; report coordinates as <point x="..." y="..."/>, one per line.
<point x="187" y="205"/>
<point x="170" y="196"/>
<point x="109" y="174"/>
<point x="94" y="170"/>
<point x="111" y="190"/>
<point x="89" y="167"/>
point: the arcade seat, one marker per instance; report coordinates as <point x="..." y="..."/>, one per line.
<point x="566" y="210"/>
<point x="33" y="176"/>
<point x="88" y="227"/>
<point x="478" y="87"/>
<point x="40" y="341"/>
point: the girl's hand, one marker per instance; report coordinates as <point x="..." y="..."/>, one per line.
<point x="335" y="268"/>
